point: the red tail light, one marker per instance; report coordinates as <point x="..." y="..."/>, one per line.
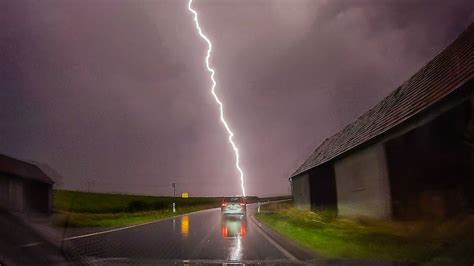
<point x="242" y="204"/>
<point x="224" y="231"/>
<point x="243" y="230"/>
<point x="224" y="204"/>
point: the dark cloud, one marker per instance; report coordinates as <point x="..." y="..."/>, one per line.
<point x="116" y="91"/>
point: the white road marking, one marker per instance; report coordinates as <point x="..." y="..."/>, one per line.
<point x="273" y="242"/>
<point x="132" y="226"/>
<point x="31" y="244"/>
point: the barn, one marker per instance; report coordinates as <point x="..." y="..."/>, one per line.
<point x="24" y="187"/>
<point x="411" y="155"/>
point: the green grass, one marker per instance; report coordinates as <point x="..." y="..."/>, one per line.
<point x="449" y="242"/>
<point x="84" y="202"/>
<point x="70" y="219"/>
<point x="82" y="209"/>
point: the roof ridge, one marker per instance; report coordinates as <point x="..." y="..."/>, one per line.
<point x="23" y="169"/>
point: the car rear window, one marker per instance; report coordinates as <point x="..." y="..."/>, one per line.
<point x="233" y="199"/>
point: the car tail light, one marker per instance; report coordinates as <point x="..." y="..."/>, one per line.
<point x="224" y="204"/>
<point x="224" y="231"/>
<point x="242" y="204"/>
<point x="243" y="230"/>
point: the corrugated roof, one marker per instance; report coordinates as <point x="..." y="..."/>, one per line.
<point x="22" y="169"/>
<point x="440" y="77"/>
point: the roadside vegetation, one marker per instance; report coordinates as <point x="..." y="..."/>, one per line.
<point x="434" y="242"/>
<point x="82" y="209"/>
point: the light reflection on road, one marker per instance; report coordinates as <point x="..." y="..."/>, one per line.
<point x="185" y="226"/>
<point x="234" y="229"/>
<point x="235" y="251"/>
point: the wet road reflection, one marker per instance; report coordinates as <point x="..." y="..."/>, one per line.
<point x="234" y="229"/>
<point x="234" y="226"/>
<point x="185" y="226"/>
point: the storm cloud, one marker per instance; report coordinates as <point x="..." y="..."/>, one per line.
<point x="116" y="93"/>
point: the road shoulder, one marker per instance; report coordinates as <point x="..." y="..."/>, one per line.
<point x="301" y="253"/>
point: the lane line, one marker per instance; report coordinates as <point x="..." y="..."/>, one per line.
<point x="132" y="226"/>
<point x="31" y="244"/>
<point x="272" y="241"/>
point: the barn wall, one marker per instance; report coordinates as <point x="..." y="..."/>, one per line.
<point x="16" y="195"/>
<point x="50" y="199"/>
<point x="4" y="191"/>
<point x="432" y="167"/>
<point x="19" y="195"/>
<point x="362" y="183"/>
<point x="323" y="187"/>
<point x="301" y="192"/>
<point x="36" y="197"/>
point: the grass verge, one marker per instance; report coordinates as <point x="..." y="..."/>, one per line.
<point x="448" y="242"/>
<point x="84" y="202"/>
<point x="71" y="219"/>
<point x="82" y="209"/>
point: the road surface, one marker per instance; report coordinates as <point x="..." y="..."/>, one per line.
<point x="204" y="236"/>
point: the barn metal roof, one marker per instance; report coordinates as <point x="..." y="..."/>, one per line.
<point x="22" y="169"/>
<point x="444" y="74"/>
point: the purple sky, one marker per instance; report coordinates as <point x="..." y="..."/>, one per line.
<point x="116" y="91"/>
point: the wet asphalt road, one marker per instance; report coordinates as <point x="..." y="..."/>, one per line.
<point x="204" y="237"/>
<point x="201" y="236"/>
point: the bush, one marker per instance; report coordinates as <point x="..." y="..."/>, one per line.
<point x="159" y="205"/>
<point x="83" y="202"/>
<point x="137" y="205"/>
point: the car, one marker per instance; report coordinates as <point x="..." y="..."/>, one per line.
<point x="233" y="205"/>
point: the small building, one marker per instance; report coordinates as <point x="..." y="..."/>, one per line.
<point x="410" y="156"/>
<point x="24" y="187"/>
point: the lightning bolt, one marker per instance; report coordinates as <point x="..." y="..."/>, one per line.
<point x="216" y="98"/>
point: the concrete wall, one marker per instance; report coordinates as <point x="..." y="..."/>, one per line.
<point x="362" y="183"/>
<point x="431" y="167"/>
<point x="4" y="191"/>
<point x="16" y="195"/>
<point x="301" y="192"/>
<point x="19" y="195"/>
<point x="49" y="209"/>
<point x="322" y="185"/>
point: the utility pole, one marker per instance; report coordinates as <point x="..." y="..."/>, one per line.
<point x="174" y="196"/>
<point x="89" y="183"/>
<point x="174" y="189"/>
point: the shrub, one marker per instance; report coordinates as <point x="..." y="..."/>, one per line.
<point x="159" y="205"/>
<point x="138" y="205"/>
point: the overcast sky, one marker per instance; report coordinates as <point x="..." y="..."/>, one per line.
<point x="116" y="92"/>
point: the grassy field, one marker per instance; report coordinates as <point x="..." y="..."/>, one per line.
<point x="74" y="201"/>
<point x="449" y="242"/>
<point x="81" y="209"/>
<point x="72" y="219"/>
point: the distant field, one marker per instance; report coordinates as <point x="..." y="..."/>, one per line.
<point x="83" y="202"/>
<point x="82" y="209"/>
